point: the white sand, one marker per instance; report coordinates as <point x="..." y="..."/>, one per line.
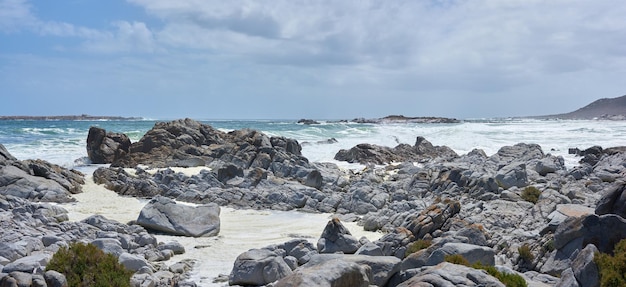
<point x="241" y="230"/>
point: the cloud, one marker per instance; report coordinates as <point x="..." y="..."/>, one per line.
<point x="15" y="15"/>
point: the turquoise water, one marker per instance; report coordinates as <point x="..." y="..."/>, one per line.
<point x="63" y="142"/>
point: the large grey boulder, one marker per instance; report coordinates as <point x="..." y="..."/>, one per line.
<point x="165" y="215"/>
<point x="382" y="267"/>
<point x="447" y="274"/>
<point x="337" y="238"/>
<point x="106" y="147"/>
<point x="55" y="279"/>
<point x="335" y="273"/>
<point x="258" y="267"/>
<point x="30" y="264"/>
<point x="133" y="262"/>
<point x="19" y="183"/>
<point x="473" y="253"/>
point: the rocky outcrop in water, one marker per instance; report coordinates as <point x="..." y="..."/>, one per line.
<point x="422" y="151"/>
<point x="106" y="147"/>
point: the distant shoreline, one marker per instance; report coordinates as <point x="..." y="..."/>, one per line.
<point x="68" y="118"/>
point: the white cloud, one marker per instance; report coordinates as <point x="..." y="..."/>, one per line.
<point x="15" y="15"/>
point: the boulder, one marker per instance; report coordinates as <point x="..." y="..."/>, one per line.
<point x="30" y="264"/>
<point x="373" y="154"/>
<point x="473" y="253"/>
<point x="165" y="215"/>
<point x="55" y="279"/>
<point x="511" y="175"/>
<point x="613" y="200"/>
<point x="448" y="274"/>
<point x="106" y="147"/>
<point x="382" y="267"/>
<point x="258" y="267"/>
<point x="337" y="238"/>
<point x="336" y="273"/>
<point x="432" y="218"/>
<point x="133" y="262"/>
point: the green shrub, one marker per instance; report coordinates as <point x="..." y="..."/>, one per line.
<point x="531" y="194"/>
<point x="509" y="280"/>
<point x="525" y="253"/>
<point x="549" y="246"/>
<point x="86" y="265"/>
<point x="417" y="246"/>
<point x="613" y="268"/>
<point x="456" y="259"/>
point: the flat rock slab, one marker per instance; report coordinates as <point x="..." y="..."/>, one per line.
<point x="165" y="215"/>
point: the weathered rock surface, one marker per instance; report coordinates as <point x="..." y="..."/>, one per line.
<point x="258" y="267"/>
<point x="165" y="215"/>
<point x="334" y="273"/>
<point x="613" y="201"/>
<point x="447" y="274"/>
<point x="37" y="180"/>
<point x="422" y="151"/>
<point x="337" y="238"/>
<point x="106" y="147"/>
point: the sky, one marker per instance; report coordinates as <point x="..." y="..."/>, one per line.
<point x="325" y="59"/>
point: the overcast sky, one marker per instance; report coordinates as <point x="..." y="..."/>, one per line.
<point x="291" y="59"/>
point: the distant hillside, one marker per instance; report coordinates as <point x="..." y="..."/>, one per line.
<point x="613" y="109"/>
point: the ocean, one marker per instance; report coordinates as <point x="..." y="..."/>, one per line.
<point x="64" y="143"/>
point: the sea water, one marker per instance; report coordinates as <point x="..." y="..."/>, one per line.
<point x="64" y="142"/>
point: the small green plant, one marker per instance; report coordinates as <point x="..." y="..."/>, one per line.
<point x="549" y="246"/>
<point x="525" y="253"/>
<point x="612" y="268"/>
<point x="456" y="259"/>
<point x="86" y="265"/>
<point x="531" y="194"/>
<point x="417" y="246"/>
<point x="509" y="280"/>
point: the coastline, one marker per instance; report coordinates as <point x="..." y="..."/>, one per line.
<point x="68" y="118"/>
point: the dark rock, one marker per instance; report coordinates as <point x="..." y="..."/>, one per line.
<point x="512" y="175"/>
<point x="106" y="147"/>
<point x="613" y="200"/>
<point x="372" y="154"/>
<point x="118" y="180"/>
<point x="308" y="122"/>
<point x="55" y="279"/>
<point x="165" y="215"/>
<point x="229" y="172"/>
<point x="337" y="238"/>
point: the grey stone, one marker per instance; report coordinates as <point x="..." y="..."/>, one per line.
<point x="133" y="262"/>
<point x="164" y="214"/>
<point x="109" y="245"/>
<point x="370" y="249"/>
<point x="258" y="267"/>
<point x="512" y="175"/>
<point x="448" y="275"/>
<point x="336" y="273"/>
<point x="176" y="247"/>
<point x="473" y="253"/>
<point x="381" y="267"/>
<point x="29" y="264"/>
<point x="337" y="238"/>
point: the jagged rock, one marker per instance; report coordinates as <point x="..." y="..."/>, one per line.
<point x="373" y="154"/>
<point x="106" y="147"/>
<point x="337" y="238"/>
<point x="576" y="233"/>
<point x="520" y="152"/>
<point x="512" y="175"/>
<point x="432" y="218"/>
<point x="395" y="243"/>
<point x="258" y="267"/>
<point x="118" y="180"/>
<point x="336" y="273"/>
<point x="164" y="214"/>
<point x="613" y="201"/>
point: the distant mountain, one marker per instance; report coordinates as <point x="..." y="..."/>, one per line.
<point x="611" y="109"/>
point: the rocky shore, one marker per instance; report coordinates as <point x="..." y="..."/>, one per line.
<point x="520" y="210"/>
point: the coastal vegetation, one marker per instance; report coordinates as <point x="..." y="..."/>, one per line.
<point x="531" y="194"/>
<point x="612" y="267"/>
<point x="86" y="265"/>
<point x="508" y="279"/>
